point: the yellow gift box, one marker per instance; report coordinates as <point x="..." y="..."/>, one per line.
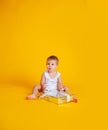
<point x="58" y="100"/>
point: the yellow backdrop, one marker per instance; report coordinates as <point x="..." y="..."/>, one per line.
<point x="32" y="30"/>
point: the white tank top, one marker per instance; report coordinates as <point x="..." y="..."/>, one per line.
<point x="51" y="83"/>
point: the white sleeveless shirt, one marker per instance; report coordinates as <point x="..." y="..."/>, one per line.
<point x="51" y="83"/>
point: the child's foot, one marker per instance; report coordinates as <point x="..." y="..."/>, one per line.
<point x="75" y="100"/>
<point x="31" y="97"/>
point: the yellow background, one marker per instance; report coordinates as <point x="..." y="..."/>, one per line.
<point x="73" y="30"/>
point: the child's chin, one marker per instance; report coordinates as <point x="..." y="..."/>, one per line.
<point x="50" y="70"/>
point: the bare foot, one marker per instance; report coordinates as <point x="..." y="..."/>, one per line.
<point x="31" y="97"/>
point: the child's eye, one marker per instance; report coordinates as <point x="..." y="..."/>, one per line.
<point x="52" y="64"/>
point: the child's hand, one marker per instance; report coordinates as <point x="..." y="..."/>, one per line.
<point x="43" y="89"/>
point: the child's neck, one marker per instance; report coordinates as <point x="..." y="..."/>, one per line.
<point x="52" y="74"/>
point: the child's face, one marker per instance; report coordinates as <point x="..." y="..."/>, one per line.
<point x="51" y="65"/>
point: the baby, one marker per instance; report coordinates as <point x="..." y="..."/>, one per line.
<point x="51" y="82"/>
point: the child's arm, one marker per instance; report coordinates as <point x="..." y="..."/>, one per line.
<point x="60" y="84"/>
<point x="42" y="82"/>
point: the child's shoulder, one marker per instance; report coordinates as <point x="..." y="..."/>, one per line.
<point x="58" y="73"/>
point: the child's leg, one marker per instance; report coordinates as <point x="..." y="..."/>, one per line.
<point x="34" y="92"/>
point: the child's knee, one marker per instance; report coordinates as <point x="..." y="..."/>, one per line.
<point x="36" y="87"/>
<point x="66" y="89"/>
